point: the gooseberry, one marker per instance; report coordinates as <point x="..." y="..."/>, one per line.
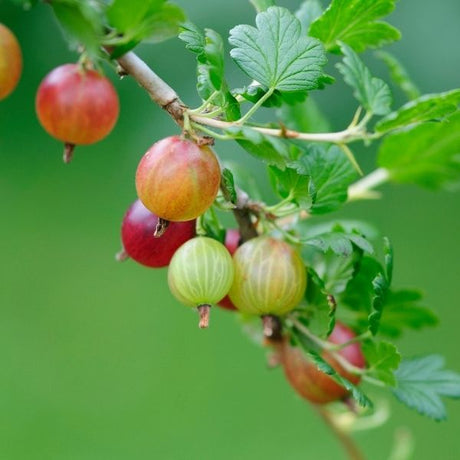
<point x="270" y="277"/>
<point x="139" y="240"/>
<point x="312" y="384"/>
<point x="10" y="61"/>
<point x="232" y="241"/>
<point x="77" y="106"/>
<point x="177" y="179"/>
<point x="200" y="274"/>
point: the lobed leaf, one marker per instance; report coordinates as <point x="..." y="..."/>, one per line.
<point x="427" y="155"/>
<point x="309" y="11"/>
<point x="422" y="381"/>
<point x="289" y="183"/>
<point x="429" y="107"/>
<point x="356" y="23"/>
<point x="382" y="359"/>
<point x="399" y="75"/>
<point x="373" y="93"/>
<point x="331" y="174"/>
<point x="275" y="54"/>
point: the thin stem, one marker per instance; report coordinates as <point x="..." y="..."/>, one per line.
<point x="363" y="188"/>
<point x="351" y="158"/>
<point x="344" y="438"/>
<point x="339" y="137"/>
<point x="255" y="107"/>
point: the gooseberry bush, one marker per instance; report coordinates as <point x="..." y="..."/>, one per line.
<point x="317" y="293"/>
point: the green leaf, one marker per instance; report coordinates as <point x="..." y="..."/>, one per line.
<point x="427" y="155"/>
<point x="355" y="22"/>
<point x="304" y="117"/>
<point x="26" y="4"/>
<point x="382" y="359"/>
<point x="399" y="75"/>
<point x="275" y="54"/>
<point x="80" y="22"/>
<point x="228" y="184"/>
<point x="388" y="259"/>
<point x="403" y="311"/>
<point x="289" y="183"/>
<point x="340" y="243"/>
<point x="426" y="108"/>
<point x="319" y="311"/>
<point x="272" y="150"/>
<point x="334" y="271"/>
<point x="134" y="21"/>
<point x="262" y="5"/>
<point x="422" y="381"/>
<point x="331" y="173"/>
<point x="380" y="286"/>
<point x="373" y="93"/>
<point x="309" y="11"/>
<point x="325" y="367"/>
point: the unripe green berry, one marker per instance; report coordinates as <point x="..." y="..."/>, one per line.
<point x="200" y="274"/>
<point x="270" y="277"/>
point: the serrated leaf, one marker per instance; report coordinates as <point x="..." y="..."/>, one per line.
<point x="356" y="23"/>
<point x="331" y="174"/>
<point x="399" y="75"/>
<point x="80" y="22"/>
<point x="427" y="155"/>
<point x="340" y="243"/>
<point x="380" y="286"/>
<point x="273" y="151"/>
<point x="430" y="107"/>
<point x="373" y="93"/>
<point x="151" y="21"/>
<point x="403" y="311"/>
<point x="422" y="381"/>
<point x="309" y="11"/>
<point x="228" y="184"/>
<point x="334" y="271"/>
<point x="388" y="258"/>
<point x="325" y="367"/>
<point x="275" y="54"/>
<point x="290" y="183"/>
<point x="382" y="359"/>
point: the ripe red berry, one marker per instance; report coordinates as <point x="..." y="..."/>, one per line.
<point x="177" y="179"/>
<point x="76" y="105"/>
<point x="311" y="383"/>
<point x="10" y="61"/>
<point x="270" y="277"/>
<point x="232" y="241"/>
<point x="139" y="242"/>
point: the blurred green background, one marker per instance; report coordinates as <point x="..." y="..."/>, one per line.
<point x="98" y="361"/>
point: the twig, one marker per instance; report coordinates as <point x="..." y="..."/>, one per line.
<point x="347" y="442"/>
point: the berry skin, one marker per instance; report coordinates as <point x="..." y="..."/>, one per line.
<point x="232" y="241"/>
<point x="139" y="242"/>
<point x="200" y="274"/>
<point x="76" y="105"/>
<point x="270" y="277"/>
<point x="178" y="180"/>
<point x="311" y="383"/>
<point x="10" y="62"/>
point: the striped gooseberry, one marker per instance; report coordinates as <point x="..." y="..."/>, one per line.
<point x="10" y="61"/>
<point x="140" y="243"/>
<point x="200" y="274"/>
<point x="270" y="277"/>
<point x="77" y="106"/>
<point x="177" y="179"/>
<point x="305" y="377"/>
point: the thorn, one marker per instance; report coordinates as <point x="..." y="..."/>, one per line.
<point x="204" y="311"/>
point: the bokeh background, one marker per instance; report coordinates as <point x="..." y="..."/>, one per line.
<point x="97" y="360"/>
